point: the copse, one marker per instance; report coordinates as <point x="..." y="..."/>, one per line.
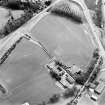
<point x="83" y="76"/>
<point x="69" y="10"/>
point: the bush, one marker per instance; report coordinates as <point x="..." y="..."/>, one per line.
<point x="48" y="2"/>
<point x="69" y="103"/>
<point x="54" y="99"/>
<point x="43" y="103"/>
<point x="69" y="93"/>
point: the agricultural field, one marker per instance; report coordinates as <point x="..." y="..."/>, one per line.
<point x="24" y="73"/>
<point x="4" y="15"/>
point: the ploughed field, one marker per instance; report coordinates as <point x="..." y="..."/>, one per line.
<point x="24" y="73"/>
